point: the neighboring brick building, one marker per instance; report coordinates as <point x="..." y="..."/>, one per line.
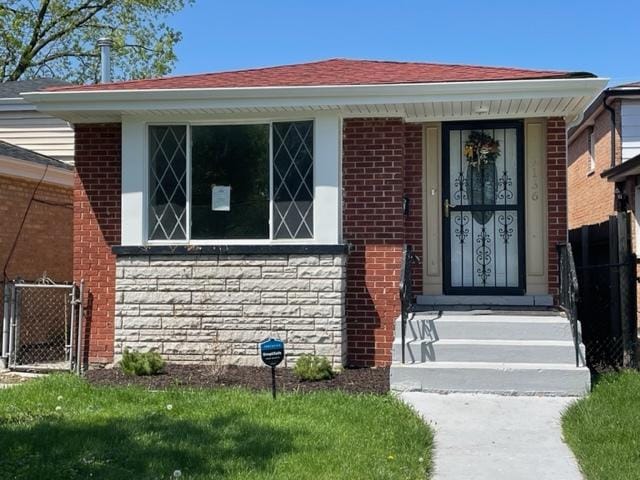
<point x="287" y="212"/>
<point x="604" y="170"/>
<point x="30" y="142"/>
<point x="36" y="215"/>
<point x="607" y="137"/>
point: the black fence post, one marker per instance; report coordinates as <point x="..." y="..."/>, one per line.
<point x="614" y="277"/>
<point x="626" y="292"/>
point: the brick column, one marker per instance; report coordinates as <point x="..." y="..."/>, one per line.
<point x="557" y="196"/>
<point x="373" y="156"/>
<point x="96" y="228"/>
<point x="413" y="179"/>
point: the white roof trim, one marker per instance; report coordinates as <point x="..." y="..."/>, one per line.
<point x="112" y="104"/>
<point x="12" y="167"/>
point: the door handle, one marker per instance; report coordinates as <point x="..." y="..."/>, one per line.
<point x="447" y="207"/>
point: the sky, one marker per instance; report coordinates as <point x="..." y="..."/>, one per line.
<point x="588" y="35"/>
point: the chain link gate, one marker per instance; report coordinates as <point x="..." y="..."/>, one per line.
<point x="42" y="326"/>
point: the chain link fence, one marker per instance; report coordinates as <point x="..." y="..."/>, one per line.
<point x="42" y="325"/>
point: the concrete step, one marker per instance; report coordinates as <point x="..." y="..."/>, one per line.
<point x="485" y="326"/>
<point x="488" y="377"/>
<point x="502" y="351"/>
<point x="479" y="300"/>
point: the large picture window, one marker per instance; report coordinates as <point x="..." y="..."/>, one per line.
<point x="234" y="157"/>
<point x="234" y="182"/>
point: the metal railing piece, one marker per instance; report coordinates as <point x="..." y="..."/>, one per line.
<point x="406" y="292"/>
<point x="569" y="292"/>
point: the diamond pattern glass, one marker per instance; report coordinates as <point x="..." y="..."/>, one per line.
<point x="293" y="180"/>
<point x="167" y="182"/>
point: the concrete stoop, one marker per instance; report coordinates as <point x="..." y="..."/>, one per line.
<point x="507" y="352"/>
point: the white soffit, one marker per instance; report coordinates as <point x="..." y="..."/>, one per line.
<point x="413" y="102"/>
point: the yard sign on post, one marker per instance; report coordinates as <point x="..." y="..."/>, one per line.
<point x="272" y="353"/>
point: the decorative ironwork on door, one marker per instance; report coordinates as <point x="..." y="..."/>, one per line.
<point x="482" y="208"/>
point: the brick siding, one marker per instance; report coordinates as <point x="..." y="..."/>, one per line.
<point x="557" y="196"/>
<point x="44" y="244"/>
<point x="96" y="227"/>
<point x="585" y="186"/>
<point x="382" y="161"/>
<point x="413" y="180"/>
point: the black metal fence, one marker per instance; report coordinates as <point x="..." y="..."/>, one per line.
<point x="607" y="305"/>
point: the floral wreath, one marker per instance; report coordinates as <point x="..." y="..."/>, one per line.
<point x="481" y="149"/>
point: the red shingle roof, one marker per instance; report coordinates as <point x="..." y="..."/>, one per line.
<point x="332" y="72"/>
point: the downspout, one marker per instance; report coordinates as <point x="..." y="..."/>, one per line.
<point x="612" y="114"/>
<point x="620" y="196"/>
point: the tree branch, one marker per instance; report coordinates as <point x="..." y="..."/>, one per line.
<point x="28" y="51"/>
<point x="57" y="56"/>
<point x="79" y="23"/>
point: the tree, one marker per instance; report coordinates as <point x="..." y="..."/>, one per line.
<point x="57" y="38"/>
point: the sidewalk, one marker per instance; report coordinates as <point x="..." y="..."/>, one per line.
<point x="493" y="437"/>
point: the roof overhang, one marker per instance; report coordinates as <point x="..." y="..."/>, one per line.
<point x="15" y="104"/>
<point x="418" y="102"/>
<point x="598" y="105"/>
<point x="620" y="173"/>
<point x="14" y="167"/>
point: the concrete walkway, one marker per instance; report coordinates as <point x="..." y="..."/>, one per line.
<point x="497" y="437"/>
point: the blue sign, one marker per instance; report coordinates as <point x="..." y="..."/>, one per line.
<point x="272" y="351"/>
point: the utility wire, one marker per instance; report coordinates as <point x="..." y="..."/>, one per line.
<point x="22" y="222"/>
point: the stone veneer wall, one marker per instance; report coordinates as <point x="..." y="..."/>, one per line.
<point x="195" y="308"/>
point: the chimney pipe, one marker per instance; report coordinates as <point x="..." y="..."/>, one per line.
<point x="105" y="44"/>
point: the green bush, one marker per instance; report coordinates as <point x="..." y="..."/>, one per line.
<point x="141" y="363"/>
<point x="313" y="367"/>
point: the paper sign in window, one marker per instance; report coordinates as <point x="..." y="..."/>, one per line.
<point x="220" y="198"/>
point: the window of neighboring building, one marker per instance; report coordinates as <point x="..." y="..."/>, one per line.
<point x="231" y="182"/>
<point x="592" y="151"/>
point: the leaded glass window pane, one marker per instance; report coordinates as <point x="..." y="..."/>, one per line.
<point x="235" y="157"/>
<point x="167" y="182"/>
<point x="293" y="180"/>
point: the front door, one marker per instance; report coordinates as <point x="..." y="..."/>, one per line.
<point x="483" y="210"/>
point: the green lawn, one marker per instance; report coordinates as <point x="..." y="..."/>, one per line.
<point x="603" y="429"/>
<point x="60" y="427"/>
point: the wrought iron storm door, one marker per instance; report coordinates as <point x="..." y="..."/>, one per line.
<point x="483" y="214"/>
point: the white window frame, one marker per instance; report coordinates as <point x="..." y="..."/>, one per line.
<point x="222" y="241"/>
<point x="592" y="150"/>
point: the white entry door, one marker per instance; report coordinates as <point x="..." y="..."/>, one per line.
<point x="483" y="210"/>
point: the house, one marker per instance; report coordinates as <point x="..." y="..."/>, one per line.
<point x="36" y="187"/>
<point x="22" y="125"/>
<point x="214" y="210"/>
<point x="604" y="169"/>
<point x="600" y="149"/>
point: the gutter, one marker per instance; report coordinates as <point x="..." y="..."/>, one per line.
<point x="612" y="126"/>
<point x="596" y="107"/>
<point x="441" y="91"/>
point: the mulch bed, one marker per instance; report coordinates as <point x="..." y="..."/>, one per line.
<point x="351" y="380"/>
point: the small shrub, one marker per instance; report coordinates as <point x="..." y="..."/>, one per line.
<point x="141" y="363"/>
<point x="312" y="368"/>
